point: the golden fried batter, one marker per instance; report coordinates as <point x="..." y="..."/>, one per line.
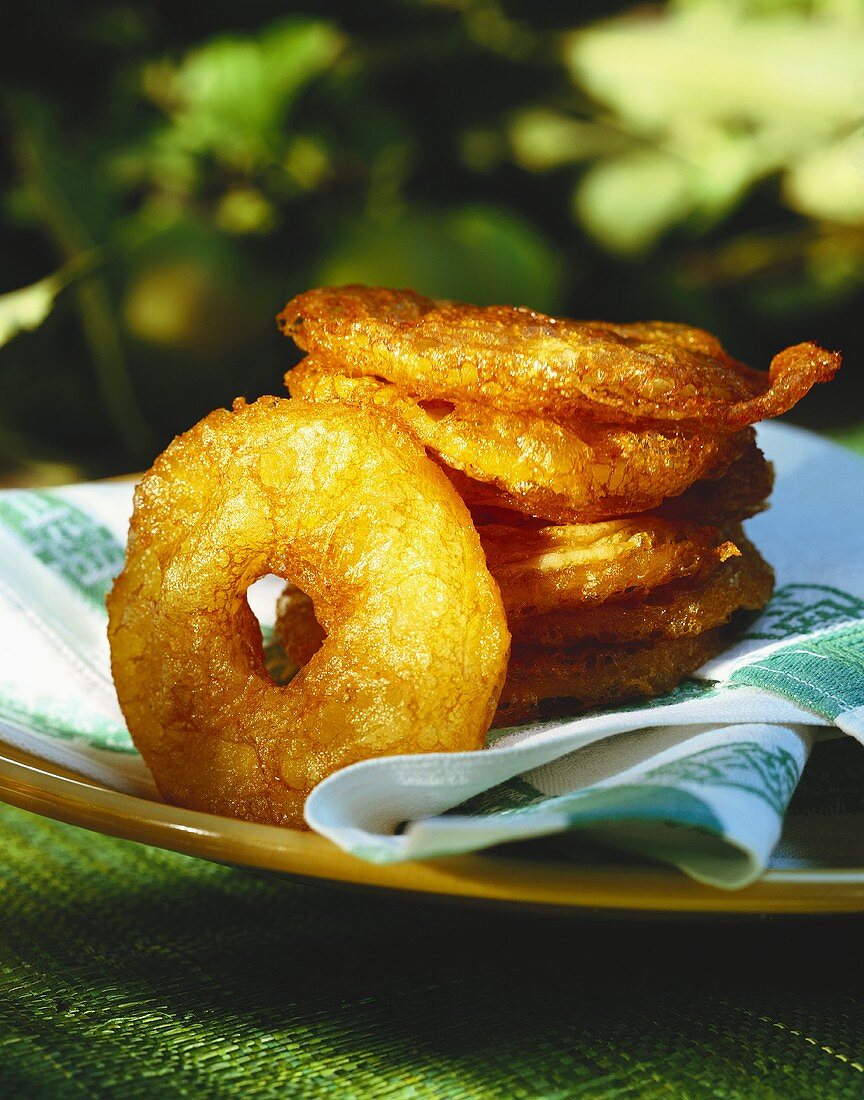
<point x="605" y="465"/>
<point x="555" y="568"/>
<point x="296" y="628"/>
<point x="743" y="582"/>
<point x="520" y="359"/>
<point x="544" y="682"/>
<point x="741" y="492"/>
<point x="578" y="576"/>
<point x="353" y="512"/>
<point x="565" y="473"/>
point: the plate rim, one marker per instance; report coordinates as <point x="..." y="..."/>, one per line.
<point x="32" y="783"/>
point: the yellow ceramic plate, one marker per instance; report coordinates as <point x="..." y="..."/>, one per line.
<point x="34" y="784"/>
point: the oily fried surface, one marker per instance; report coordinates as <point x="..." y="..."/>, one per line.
<point x="742" y="491"/>
<point x="351" y="511"/>
<point x="520" y="359"/>
<point x="628" y="578"/>
<point x="600" y="654"/>
<point x="296" y="628"/>
<point x="739" y="493"/>
<point x="488" y="504"/>
<point x="543" y="682"/>
<point x="564" y="473"/>
<point x="554" y="568"/>
<point x="743" y="582"/>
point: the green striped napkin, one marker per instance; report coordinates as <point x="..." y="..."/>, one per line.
<point x="700" y="778"/>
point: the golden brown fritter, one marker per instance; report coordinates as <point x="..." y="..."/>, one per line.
<point x="519" y="359"/>
<point x="353" y="512"/>
<point x="545" y="682"/>
<point x="563" y="472"/>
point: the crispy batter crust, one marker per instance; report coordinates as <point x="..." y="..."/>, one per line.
<point x="743" y="582"/>
<point x="353" y="512"/>
<point x="543" y="682"/>
<point x="585" y="673"/>
<point x="562" y="472"/>
<point x="520" y="359"/>
<point x="552" y="573"/>
<point x="741" y="492"/>
<point x="296" y="628"/>
<point x="565" y="568"/>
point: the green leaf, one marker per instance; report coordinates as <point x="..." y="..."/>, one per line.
<point x="736" y="91"/>
<point x="229" y="97"/>
<point x="542" y="139"/>
<point x="628" y="201"/>
<point x="24" y="310"/>
<point x="708" y="61"/>
<point x="829" y="183"/>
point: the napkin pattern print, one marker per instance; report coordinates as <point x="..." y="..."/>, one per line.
<point x="825" y="673"/>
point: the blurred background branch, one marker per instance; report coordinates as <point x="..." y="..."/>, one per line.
<point x="173" y="175"/>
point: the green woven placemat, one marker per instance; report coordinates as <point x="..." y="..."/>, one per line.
<point x="130" y="972"/>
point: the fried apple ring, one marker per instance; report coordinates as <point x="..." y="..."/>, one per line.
<point x="352" y="511"/>
<point x="740" y="493"/>
<point x="741" y="583"/>
<point x="556" y="568"/>
<point x="547" y="682"/>
<point x="564" y="473"/>
<point x="520" y="359"/>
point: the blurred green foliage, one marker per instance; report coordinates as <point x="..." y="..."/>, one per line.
<point x="173" y="174"/>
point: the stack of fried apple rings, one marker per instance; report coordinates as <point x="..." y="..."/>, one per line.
<point x="607" y="469"/>
<point x="475" y="509"/>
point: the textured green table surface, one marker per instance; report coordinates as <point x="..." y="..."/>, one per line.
<point x="130" y="972"/>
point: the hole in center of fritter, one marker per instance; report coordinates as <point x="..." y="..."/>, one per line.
<point x="262" y="597"/>
<point x="289" y="630"/>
